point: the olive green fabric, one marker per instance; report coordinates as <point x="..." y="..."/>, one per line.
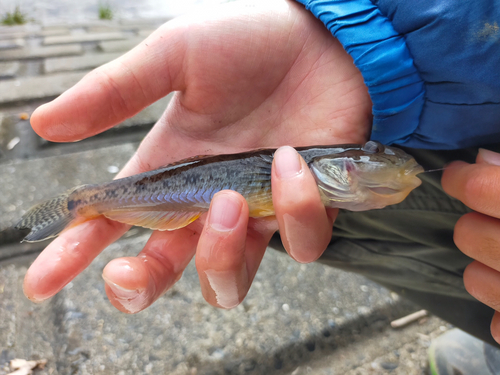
<point x="409" y="247"/>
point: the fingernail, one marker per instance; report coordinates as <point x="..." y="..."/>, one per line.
<point x="132" y="300"/>
<point x="225" y="212"/>
<point x="36" y="298"/>
<point x="490" y="157"/>
<point x="224" y="285"/>
<point x="287" y="162"/>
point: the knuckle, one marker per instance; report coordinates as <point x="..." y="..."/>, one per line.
<point x="480" y="188"/>
<point x="119" y="104"/>
<point x="473" y="186"/>
<point x="477" y="287"/>
<point x="476" y="236"/>
<point x="228" y="259"/>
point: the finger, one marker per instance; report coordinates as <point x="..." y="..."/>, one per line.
<point x="483" y="283"/>
<point x="115" y="91"/>
<point x="488" y="157"/>
<point x="70" y="253"/>
<point x="305" y="226"/>
<point x="134" y="283"/>
<point x="495" y="327"/>
<point x="227" y="258"/>
<point x="478" y="236"/>
<point x="476" y="185"/>
<point x="67" y="256"/>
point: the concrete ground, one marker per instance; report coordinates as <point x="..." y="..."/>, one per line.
<point x="297" y="319"/>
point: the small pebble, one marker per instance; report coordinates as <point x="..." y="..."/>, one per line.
<point x="13" y="142"/>
<point x="113" y="169"/>
<point x="389" y="365"/>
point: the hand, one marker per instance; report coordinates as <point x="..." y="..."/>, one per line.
<point x="246" y="75"/>
<point x="477" y="234"/>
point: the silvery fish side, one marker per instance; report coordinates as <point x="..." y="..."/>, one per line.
<point x="353" y="177"/>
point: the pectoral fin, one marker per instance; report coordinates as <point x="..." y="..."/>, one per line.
<point x="157" y="220"/>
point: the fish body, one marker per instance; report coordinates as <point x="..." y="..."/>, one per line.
<point x="354" y="177"/>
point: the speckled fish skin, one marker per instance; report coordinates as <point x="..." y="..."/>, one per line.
<point x="174" y="196"/>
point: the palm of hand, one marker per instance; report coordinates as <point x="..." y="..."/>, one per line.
<point x="262" y="77"/>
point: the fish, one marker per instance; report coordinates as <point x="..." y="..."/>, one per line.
<point x="352" y="176"/>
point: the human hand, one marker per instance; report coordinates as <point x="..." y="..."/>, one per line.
<point x="477" y="234"/>
<point x="246" y="75"/>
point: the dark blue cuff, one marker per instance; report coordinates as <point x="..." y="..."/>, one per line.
<point x="381" y="54"/>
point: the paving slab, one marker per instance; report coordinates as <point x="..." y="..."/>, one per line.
<point x="30" y="88"/>
<point x="119" y="45"/>
<point x="83" y="37"/>
<point x="54" y="175"/>
<point x="17" y="31"/>
<point x="9" y="69"/>
<point x="11" y="43"/>
<point x="408" y="353"/>
<point x="13" y="29"/>
<point x="86" y="61"/>
<point x="293" y="317"/>
<point x="144" y="23"/>
<point x="41" y="52"/>
<point x="114" y="27"/>
<point x="54" y="31"/>
<point x="22" y="336"/>
<point x="19" y="35"/>
<point x="144" y="33"/>
<point x="390" y="351"/>
<point x="17" y="138"/>
<point x="58" y="26"/>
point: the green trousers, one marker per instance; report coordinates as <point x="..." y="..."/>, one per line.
<point x="409" y="247"/>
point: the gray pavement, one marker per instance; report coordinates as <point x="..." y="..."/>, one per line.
<point x="297" y="319"/>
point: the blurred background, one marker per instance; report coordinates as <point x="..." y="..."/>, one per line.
<point x="297" y="319"/>
<point x="46" y="11"/>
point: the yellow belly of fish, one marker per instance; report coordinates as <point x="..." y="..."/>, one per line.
<point x="260" y="205"/>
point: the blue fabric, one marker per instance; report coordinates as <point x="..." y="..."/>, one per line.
<point x="432" y="67"/>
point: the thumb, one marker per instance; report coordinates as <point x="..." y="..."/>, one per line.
<point x="488" y="157"/>
<point x="117" y="90"/>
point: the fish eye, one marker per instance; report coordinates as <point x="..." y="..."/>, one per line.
<point x="372" y="147"/>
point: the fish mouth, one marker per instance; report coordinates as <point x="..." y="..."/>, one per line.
<point x="407" y="182"/>
<point x="412" y="168"/>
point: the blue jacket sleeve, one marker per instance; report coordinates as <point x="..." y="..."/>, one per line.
<point x="432" y="67"/>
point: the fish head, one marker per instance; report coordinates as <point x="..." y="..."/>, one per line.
<point x="373" y="176"/>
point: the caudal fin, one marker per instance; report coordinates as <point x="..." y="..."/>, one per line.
<point x="46" y="219"/>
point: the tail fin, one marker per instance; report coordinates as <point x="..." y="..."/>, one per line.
<point x="46" y="219"/>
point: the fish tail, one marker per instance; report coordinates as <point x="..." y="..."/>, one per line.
<point x="47" y="219"/>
